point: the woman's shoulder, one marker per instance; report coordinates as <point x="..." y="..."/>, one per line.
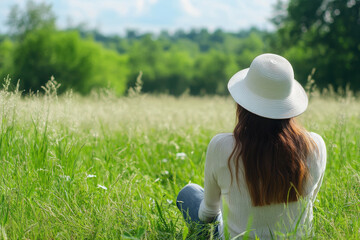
<point x="317" y="138"/>
<point x="221" y="143"/>
<point x="221" y="139"/>
<point x="219" y="150"/>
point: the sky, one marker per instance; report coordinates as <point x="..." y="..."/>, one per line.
<point x="116" y="16"/>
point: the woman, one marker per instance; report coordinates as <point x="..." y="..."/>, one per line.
<point x="269" y="170"/>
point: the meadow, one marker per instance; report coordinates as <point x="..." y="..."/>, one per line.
<point x="107" y="167"/>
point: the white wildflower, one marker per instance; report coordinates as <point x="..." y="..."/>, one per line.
<point x="67" y="178"/>
<point x="164" y="160"/>
<point x="91" y="176"/>
<point x="181" y="155"/>
<point x="101" y="186"/>
<point x="169" y="201"/>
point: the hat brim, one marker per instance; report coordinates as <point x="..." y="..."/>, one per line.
<point x="291" y="106"/>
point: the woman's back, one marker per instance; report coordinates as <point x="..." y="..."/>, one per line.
<point x="242" y="215"/>
<point x="270" y="169"/>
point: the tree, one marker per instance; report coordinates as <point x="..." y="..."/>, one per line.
<point x="321" y="34"/>
<point x="76" y="63"/>
<point x="145" y="56"/>
<point x="248" y="48"/>
<point x="6" y="49"/>
<point x="211" y="73"/>
<point x="35" y="16"/>
<point x="41" y="51"/>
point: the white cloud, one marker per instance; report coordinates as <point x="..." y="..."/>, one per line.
<point x="141" y="5"/>
<point x="189" y="8"/>
<point x="91" y="9"/>
<point x="229" y="15"/>
<point x="91" y="12"/>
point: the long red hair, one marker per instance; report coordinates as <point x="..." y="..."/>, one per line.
<point x="273" y="153"/>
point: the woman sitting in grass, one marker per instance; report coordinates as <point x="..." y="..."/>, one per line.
<point x="269" y="170"/>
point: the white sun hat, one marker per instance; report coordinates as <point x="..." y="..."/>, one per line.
<point x="268" y="88"/>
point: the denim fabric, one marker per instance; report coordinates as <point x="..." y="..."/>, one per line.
<point x="188" y="201"/>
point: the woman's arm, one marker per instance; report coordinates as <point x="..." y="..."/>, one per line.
<point x="210" y="206"/>
<point x="320" y="160"/>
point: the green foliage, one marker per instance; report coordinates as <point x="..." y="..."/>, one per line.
<point x="41" y="51"/>
<point x="6" y="49"/>
<point x="163" y="71"/>
<point x="35" y="16"/>
<point x="326" y="36"/>
<point x="76" y="63"/>
<point x="211" y="74"/>
<point x="249" y="48"/>
<point x="197" y="61"/>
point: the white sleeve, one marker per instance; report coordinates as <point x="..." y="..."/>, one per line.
<point x="210" y="205"/>
<point x="318" y="164"/>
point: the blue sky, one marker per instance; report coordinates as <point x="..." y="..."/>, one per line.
<point x="115" y="16"/>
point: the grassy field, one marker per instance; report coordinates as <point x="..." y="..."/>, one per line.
<point x="103" y="167"/>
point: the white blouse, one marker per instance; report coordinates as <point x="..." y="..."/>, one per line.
<point x="262" y="221"/>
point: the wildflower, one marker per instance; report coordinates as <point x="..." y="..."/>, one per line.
<point x="165" y="172"/>
<point x="101" y="186"/>
<point x="164" y="160"/>
<point x="67" y="178"/>
<point x="169" y="201"/>
<point x="91" y="176"/>
<point x="181" y="155"/>
<point x="156" y="180"/>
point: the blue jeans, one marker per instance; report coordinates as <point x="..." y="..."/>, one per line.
<point x="188" y="201"/>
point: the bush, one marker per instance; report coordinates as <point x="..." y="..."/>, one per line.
<point x="76" y="63"/>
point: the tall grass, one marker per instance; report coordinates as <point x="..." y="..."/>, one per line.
<point x="102" y="167"/>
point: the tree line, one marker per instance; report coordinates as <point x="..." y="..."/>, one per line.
<point x="311" y="34"/>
